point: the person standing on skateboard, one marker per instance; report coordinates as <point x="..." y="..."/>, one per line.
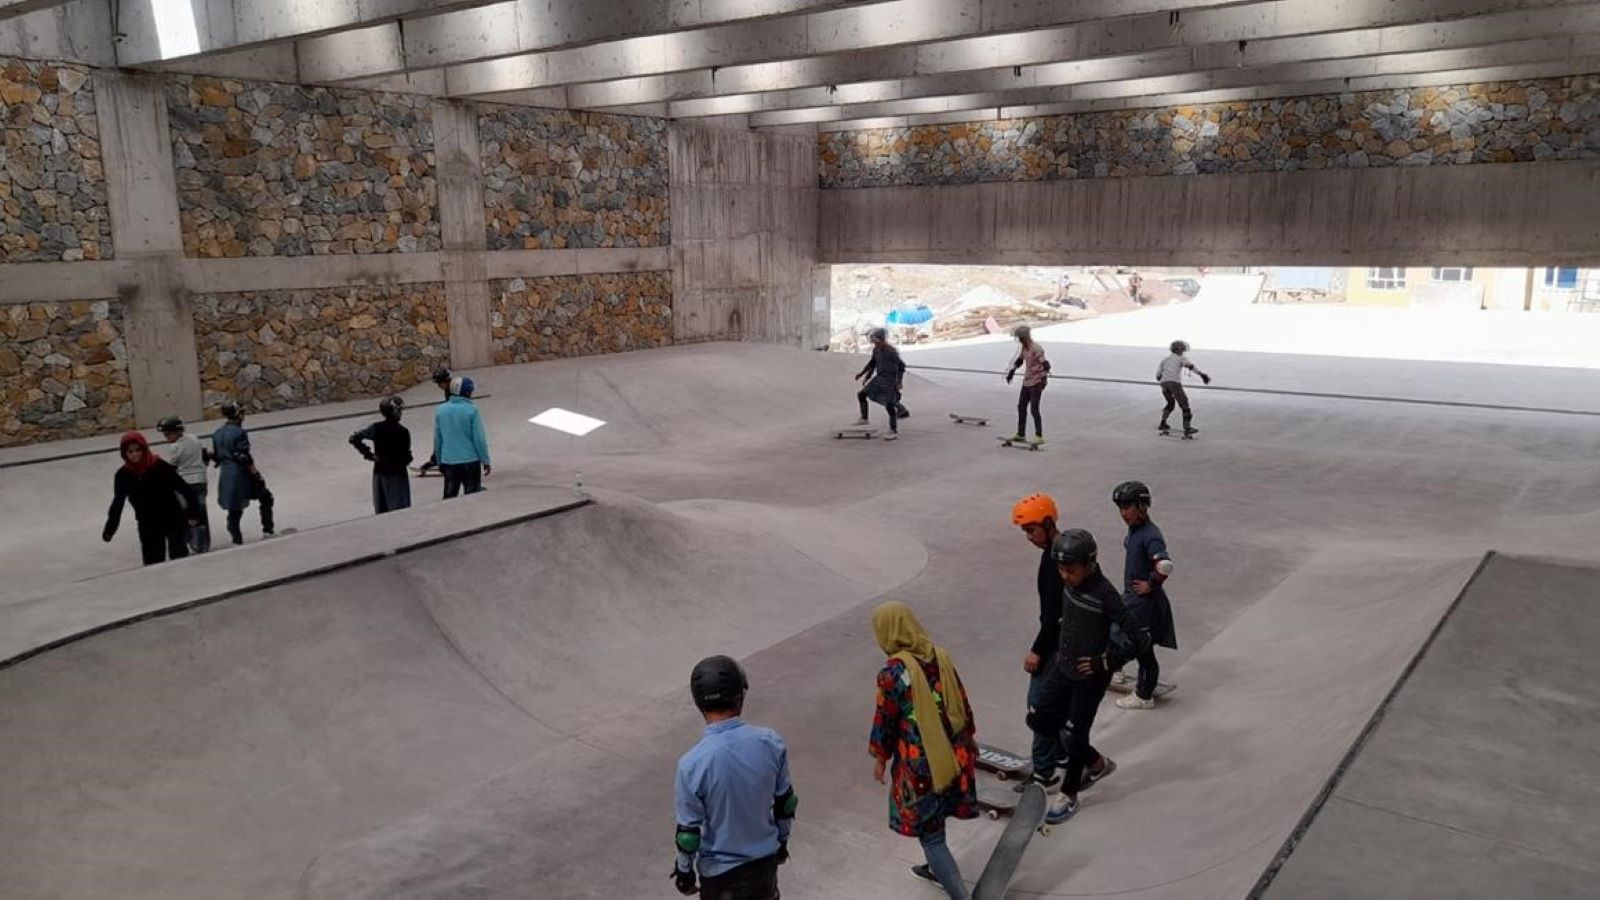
<point x="1145" y="569"/>
<point x="735" y="804"/>
<point x="1085" y="659"/>
<point x="923" y="727"/>
<point x="1170" y="376"/>
<point x="884" y="376"/>
<point x="1035" y="375"/>
<point x="1036" y="515"/>
<point x="390" y="454"/>
<point x="459" y="442"/>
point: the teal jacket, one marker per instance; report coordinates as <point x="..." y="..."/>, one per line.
<point x="458" y="433"/>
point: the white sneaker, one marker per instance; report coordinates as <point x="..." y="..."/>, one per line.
<point x="892" y="436"/>
<point x="1118" y="677"/>
<point x="861" y="421"/>
<point x="1061" y="809"/>
<point x="1134" y="701"/>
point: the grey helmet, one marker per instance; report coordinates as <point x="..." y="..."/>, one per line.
<point x="1130" y="493"/>
<point x="1022" y="332"/>
<point x="718" y="684"/>
<point x="169" y="423"/>
<point x="1180" y="347"/>
<point x="878" y="334"/>
<point x="1074" y="546"/>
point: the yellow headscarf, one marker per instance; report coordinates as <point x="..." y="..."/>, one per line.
<point x="902" y="637"/>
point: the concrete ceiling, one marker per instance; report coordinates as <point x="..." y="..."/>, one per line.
<point x="865" y="64"/>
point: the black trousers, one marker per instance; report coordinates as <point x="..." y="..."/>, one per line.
<point x="158" y="543"/>
<point x="461" y="476"/>
<point x="755" y="880"/>
<point x="1149" y="673"/>
<point x="1072" y="704"/>
<point x="1175" y="396"/>
<point x="896" y="411"/>
<point x="1029" y="400"/>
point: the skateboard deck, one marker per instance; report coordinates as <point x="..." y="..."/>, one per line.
<point x="1009" y="442"/>
<point x="1162" y="688"/>
<point x="431" y="473"/>
<point x="861" y="432"/>
<point x="1027" y="819"/>
<point x="970" y="420"/>
<point x="1005" y="765"/>
<point x="996" y="800"/>
<point x="1185" y="435"/>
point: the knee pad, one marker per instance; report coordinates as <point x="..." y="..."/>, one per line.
<point x="688" y="840"/>
<point x="784" y="805"/>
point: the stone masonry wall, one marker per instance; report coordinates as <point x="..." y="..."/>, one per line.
<point x="280" y="170"/>
<point x="1520" y="121"/>
<point x="555" y="179"/>
<point x="580" y="315"/>
<point x="63" y="371"/>
<point x="52" y="187"/>
<point x="278" y="349"/>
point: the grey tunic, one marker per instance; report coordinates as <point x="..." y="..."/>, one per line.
<point x="231" y="447"/>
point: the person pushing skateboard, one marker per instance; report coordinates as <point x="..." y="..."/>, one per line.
<point x="1085" y="659"/>
<point x="1145" y="570"/>
<point x="1036" y="515"/>
<point x="735" y="803"/>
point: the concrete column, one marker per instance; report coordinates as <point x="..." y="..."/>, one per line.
<point x="461" y="220"/>
<point x="821" y="307"/>
<point x="142" y="189"/>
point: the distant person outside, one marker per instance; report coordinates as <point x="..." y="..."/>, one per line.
<point x="390" y="455"/>
<point x="162" y="501"/>
<point x="459" y="442"/>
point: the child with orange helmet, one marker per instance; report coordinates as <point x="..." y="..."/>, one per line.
<point x="1037" y="516"/>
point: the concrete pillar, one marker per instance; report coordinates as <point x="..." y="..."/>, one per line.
<point x="461" y="221"/>
<point x="821" y="307"/>
<point x="142" y="192"/>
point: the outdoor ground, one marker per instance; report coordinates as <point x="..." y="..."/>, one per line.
<point x="499" y="714"/>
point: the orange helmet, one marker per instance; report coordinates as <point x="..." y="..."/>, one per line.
<point x="1033" y="510"/>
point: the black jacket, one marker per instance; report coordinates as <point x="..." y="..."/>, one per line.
<point x="391" y="446"/>
<point x="162" y="500"/>
<point x="1050" y="589"/>
<point x="1087" y="614"/>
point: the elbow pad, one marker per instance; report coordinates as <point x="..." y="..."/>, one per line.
<point x="687" y="840"/>
<point x="784" y="805"/>
<point x="1164" y="567"/>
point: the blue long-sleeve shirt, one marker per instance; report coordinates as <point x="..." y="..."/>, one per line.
<point x="726" y="786"/>
<point x="458" y="433"/>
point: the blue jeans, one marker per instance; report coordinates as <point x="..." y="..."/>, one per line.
<point x="1047" y="751"/>
<point x="943" y="865"/>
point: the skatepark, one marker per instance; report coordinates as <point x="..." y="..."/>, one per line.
<point x="459" y="700"/>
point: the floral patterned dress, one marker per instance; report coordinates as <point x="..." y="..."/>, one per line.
<point x="914" y="808"/>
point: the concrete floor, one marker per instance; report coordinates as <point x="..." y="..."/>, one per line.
<point x="500" y="715"/>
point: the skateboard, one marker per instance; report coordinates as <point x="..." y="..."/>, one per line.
<point x="997" y="801"/>
<point x="1026" y="819"/>
<point x="1011" y="442"/>
<point x="1005" y="765"/>
<point x="281" y="532"/>
<point x="1162" y="687"/>
<point x="982" y="421"/>
<point x="857" y="431"/>
<point x="1185" y="435"/>
<point x="427" y="473"/>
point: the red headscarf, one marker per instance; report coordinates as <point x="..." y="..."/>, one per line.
<point x="146" y="462"/>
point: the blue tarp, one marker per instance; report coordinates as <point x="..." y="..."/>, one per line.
<point x="910" y="316"/>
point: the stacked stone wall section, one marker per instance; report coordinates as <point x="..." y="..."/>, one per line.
<point x="270" y="169"/>
<point x="53" y="201"/>
<point x="1506" y="122"/>
<point x="63" y="371"/>
<point x="579" y="315"/>
<point x="279" y="349"/>
<point x="554" y="179"/>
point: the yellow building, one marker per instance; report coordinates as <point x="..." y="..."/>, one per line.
<point x="1467" y="287"/>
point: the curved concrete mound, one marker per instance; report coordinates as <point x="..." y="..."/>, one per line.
<point x="217" y="751"/>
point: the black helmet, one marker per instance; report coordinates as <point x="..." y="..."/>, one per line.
<point x="169" y="423"/>
<point x="441" y="376"/>
<point x="390" y="407"/>
<point x="1130" y="493"/>
<point x="878" y="334"/>
<point x="1180" y="346"/>
<point x="718" y="684"/>
<point x="1074" y="546"/>
<point x="230" y="410"/>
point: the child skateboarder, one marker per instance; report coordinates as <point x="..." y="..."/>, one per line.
<point x="1085" y="659"/>
<point x="390" y="454"/>
<point x="1170" y="376"/>
<point x="735" y="804"/>
<point x="1035" y="375"/>
<point x="459" y="442"/>
<point x="1145" y="569"/>
<point x="1036" y="515"/>
<point x="238" y="482"/>
<point x="923" y="726"/>
<point x="190" y="459"/>
<point x="159" y="496"/>
<point x="884" y="376"/>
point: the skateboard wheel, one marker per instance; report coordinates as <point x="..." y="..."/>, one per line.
<point x="1044" y="830"/>
<point x="993" y="814"/>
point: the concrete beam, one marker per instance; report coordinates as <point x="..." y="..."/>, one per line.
<point x="953" y="38"/>
<point x="13" y="8"/>
<point x="155" y="31"/>
<point x="79" y="31"/>
<point x="1542" y="216"/>
<point x="1476" y="31"/>
<point x="524" y="26"/>
<point x="1543" y="50"/>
